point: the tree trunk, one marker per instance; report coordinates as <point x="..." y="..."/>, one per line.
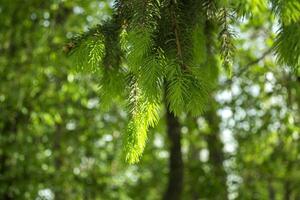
<point x="58" y="194"/>
<point x="271" y="191"/>
<point x="287" y="191"/>
<point x="175" y="182"/>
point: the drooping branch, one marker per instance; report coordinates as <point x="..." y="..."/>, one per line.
<point x="226" y="36"/>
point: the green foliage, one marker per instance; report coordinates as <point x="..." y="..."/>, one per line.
<point x="145" y="64"/>
<point x="250" y="7"/>
<point x="177" y="88"/>
<point x="144" y="114"/>
<point x="288" y="10"/>
<point x="287" y="45"/>
<point x="226" y="36"/>
<point x="111" y="87"/>
<point x="199" y="51"/>
<point x="113" y="78"/>
<point x="58" y="142"/>
<point x="177" y="61"/>
<point x="88" y="50"/>
<point x="171" y="46"/>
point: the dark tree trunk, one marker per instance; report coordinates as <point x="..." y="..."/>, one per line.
<point x="271" y="191"/>
<point x="175" y="182"/>
<point x="287" y="190"/>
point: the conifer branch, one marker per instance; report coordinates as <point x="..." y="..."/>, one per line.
<point x="226" y="36"/>
<point x="145" y="69"/>
<point x="140" y="38"/>
<point x="210" y="7"/>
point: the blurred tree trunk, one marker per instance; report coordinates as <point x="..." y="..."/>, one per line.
<point x="287" y="190"/>
<point x="59" y="18"/>
<point x="290" y="84"/>
<point x="216" y="154"/>
<point x="193" y="167"/>
<point x="175" y="178"/>
<point x="271" y="191"/>
<point x="10" y="128"/>
<point x="57" y="161"/>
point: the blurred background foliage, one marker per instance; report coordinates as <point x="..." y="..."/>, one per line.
<point x="56" y="141"/>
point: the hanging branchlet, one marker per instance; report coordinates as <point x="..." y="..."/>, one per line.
<point x="187" y="87"/>
<point x="176" y="68"/>
<point x="203" y="58"/>
<point x="207" y="63"/>
<point x="226" y="38"/>
<point x="142" y="55"/>
<point x="287" y="10"/>
<point x="287" y="45"/>
<point x="143" y="61"/>
<point x="210" y="8"/>
<point x="99" y="51"/>
<point x="88" y="50"/>
<point x="250" y="8"/>
<point x="113" y="77"/>
<point x="144" y="114"/>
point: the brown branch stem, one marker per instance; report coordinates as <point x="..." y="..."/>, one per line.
<point x="176" y="32"/>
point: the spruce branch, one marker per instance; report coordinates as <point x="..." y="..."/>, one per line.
<point x="144" y="114"/>
<point x="226" y="37"/>
<point x="210" y="8"/>
<point x="144" y="65"/>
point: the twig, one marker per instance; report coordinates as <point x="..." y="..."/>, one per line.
<point x="244" y="69"/>
<point x="176" y="32"/>
<point x="250" y="64"/>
